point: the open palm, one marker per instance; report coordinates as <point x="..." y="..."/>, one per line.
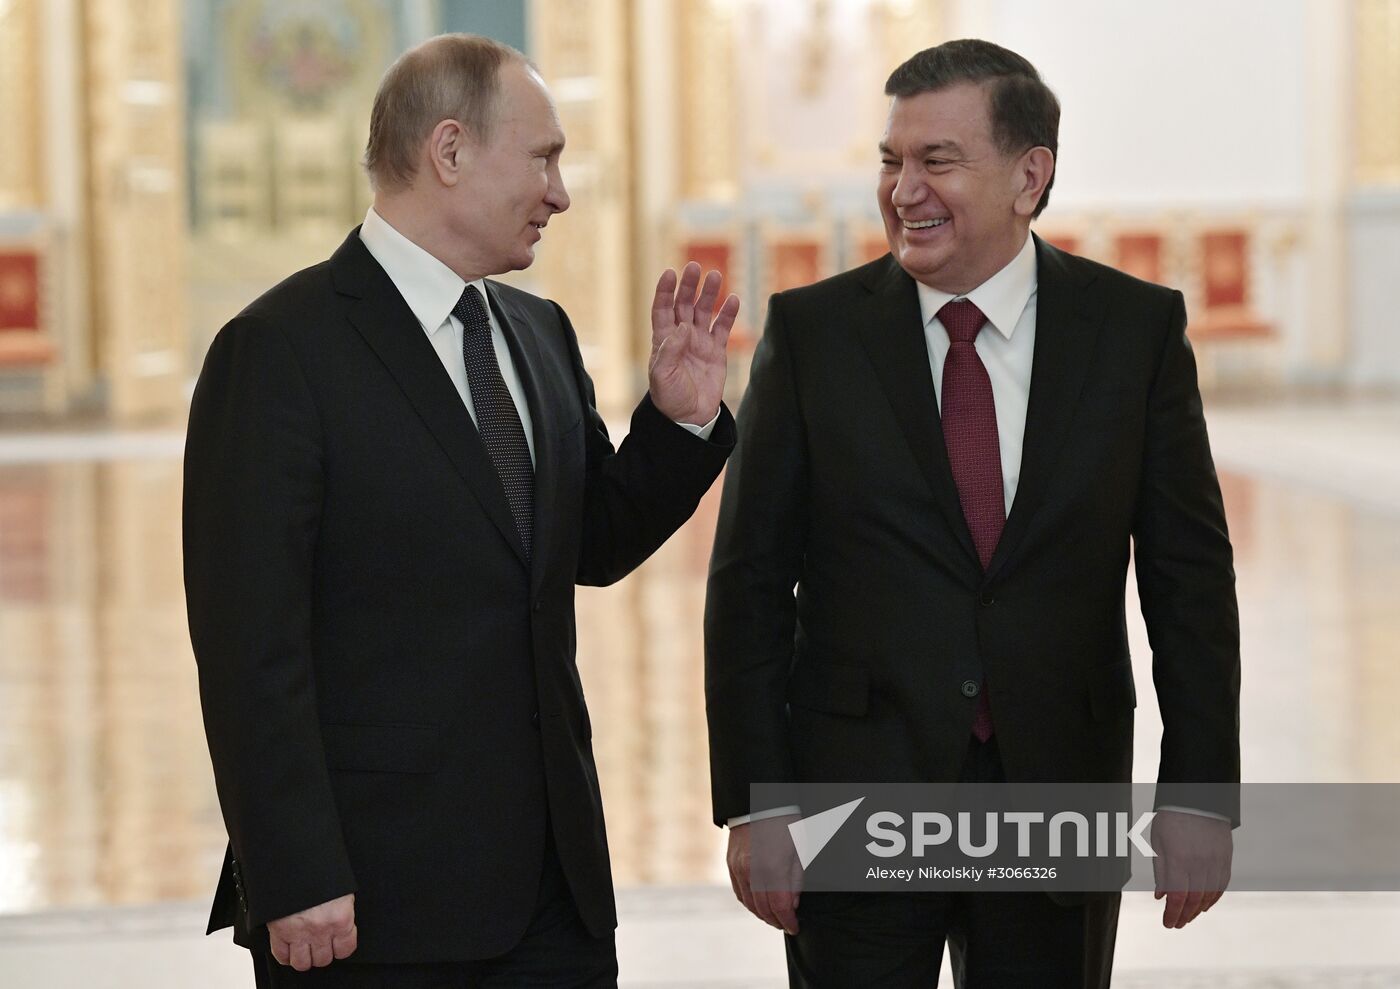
<point x="688" y="339"/>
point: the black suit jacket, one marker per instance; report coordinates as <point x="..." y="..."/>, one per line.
<point x="841" y="487"/>
<point x="389" y="690"/>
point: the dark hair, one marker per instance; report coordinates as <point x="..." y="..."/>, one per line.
<point x="1025" y="113"/>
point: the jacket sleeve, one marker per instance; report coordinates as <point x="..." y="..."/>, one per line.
<point x="750" y="611"/>
<point x="636" y="496"/>
<point x="252" y="500"/>
<point x="1186" y="583"/>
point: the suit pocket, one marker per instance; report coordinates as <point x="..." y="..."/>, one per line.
<point x="836" y="688"/>
<point x="1112" y="693"/>
<point x="382" y="748"/>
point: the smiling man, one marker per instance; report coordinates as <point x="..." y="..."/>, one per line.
<point x="394" y="477"/>
<point x="949" y="454"/>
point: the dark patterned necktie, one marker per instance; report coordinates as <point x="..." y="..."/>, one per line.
<point x="497" y="419"/>
<point x="969" y="416"/>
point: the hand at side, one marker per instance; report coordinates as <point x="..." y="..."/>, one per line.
<point x="315" y="937"/>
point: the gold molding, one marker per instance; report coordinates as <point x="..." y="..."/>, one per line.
<point x="136" y="201"/>
<point x="1376" y="91"/>
<point x="705" y="53"/>
<point x="21" y="166"/>
<point x="585" y="260"/>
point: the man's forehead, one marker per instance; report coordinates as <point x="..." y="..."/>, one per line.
<point x="525" y="97"/>
<point x="952" y="117"/>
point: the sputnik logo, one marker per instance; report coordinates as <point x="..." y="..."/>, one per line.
<point x="811" y="834"/>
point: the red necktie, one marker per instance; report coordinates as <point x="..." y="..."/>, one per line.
<point x="969" y="417"/>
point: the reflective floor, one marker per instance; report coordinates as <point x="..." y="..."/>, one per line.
<point x="105" y="791"/>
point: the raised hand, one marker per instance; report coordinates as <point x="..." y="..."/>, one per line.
<point x="687" y="365"/>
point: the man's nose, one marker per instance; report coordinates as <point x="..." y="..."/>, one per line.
<point x="558" y="197"/>
<point x="908" y="190"/>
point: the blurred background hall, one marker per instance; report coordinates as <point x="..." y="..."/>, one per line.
<point x="164" y="162"/>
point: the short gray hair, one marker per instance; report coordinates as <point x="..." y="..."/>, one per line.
<point x="449" y="77"/>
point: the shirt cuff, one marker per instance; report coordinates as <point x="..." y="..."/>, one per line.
<point x="701" y="431"/>
<point x="1199" y="813"/>
<point x="763" y="815"/>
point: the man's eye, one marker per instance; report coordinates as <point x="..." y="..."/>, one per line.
<point x="889" y="163"/>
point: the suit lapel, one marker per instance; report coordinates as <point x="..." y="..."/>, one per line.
<point x="893" y="337"/>
<point x="1066" y="329"/>
<point x="389" y="327"/>
<point x="525" y="351"/>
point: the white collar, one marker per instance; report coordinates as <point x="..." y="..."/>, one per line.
<point x="430" y="287"/>
<point x="1002" y="298"/>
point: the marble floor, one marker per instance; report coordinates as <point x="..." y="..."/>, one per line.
<point x="110" y="834"/>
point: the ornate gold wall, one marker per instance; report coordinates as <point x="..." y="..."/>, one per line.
<point x="705" y="46"/>
<point x="21" y="166"/>
<point x="581" y="47"/>
<point x="1376" y="88"/>
<point x="136" y="205"/>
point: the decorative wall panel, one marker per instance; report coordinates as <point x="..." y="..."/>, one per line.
<point x="1376" y="82"/>
<point x="585" y="259"/>
<point x="137" y="201"/>
<point x="21" y="166"/>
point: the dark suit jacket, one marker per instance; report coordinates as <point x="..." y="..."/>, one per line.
<point x="389" y="690"/>
<point x="841" y="487"/>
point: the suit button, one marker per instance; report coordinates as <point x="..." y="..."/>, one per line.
<point x="987" y="599"/>
<point x="970" y="688"/>
<point x="535" y="719"/>
<point x="539" y="605"/>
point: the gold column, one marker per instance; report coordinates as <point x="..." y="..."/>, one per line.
<point x="1377" y="92"/>
<point x="21" y="166"/>
<point x="905" y="27"/>
<point x="585" y="259"/>
<point x="137" y="201"/>
<point x="709" y="117"/>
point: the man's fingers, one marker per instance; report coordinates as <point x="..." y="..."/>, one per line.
<point x="344" y="945"/>
<point x="724" y="322"/>
<point x="1192" y="908"/>
<point x="685" y="295"/>
<point x="1174" y="883"/>
<point x="322" y="953"/>
<point x="763" y="908"/>
<point x="739" y="877"/>
<point x="1171" y="914"/>
<point x="783" y="906"/>
<point x="281" y="951"/>
<point x="746" y="894"/>
<point x="753" y="903"/>
<point x="734" y="884"/>
<point x="301" y="956"/>
<point x="705" y="306"/>
<point x="664" y="302"/>
<point x="1215" y="888"/>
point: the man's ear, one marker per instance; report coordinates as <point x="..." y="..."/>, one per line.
<point x="449" y="151"/>
<point x="1033" y="173"/>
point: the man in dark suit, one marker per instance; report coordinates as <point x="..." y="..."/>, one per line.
<point x="949" y="453"/>
<point x="394" y="477"/>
